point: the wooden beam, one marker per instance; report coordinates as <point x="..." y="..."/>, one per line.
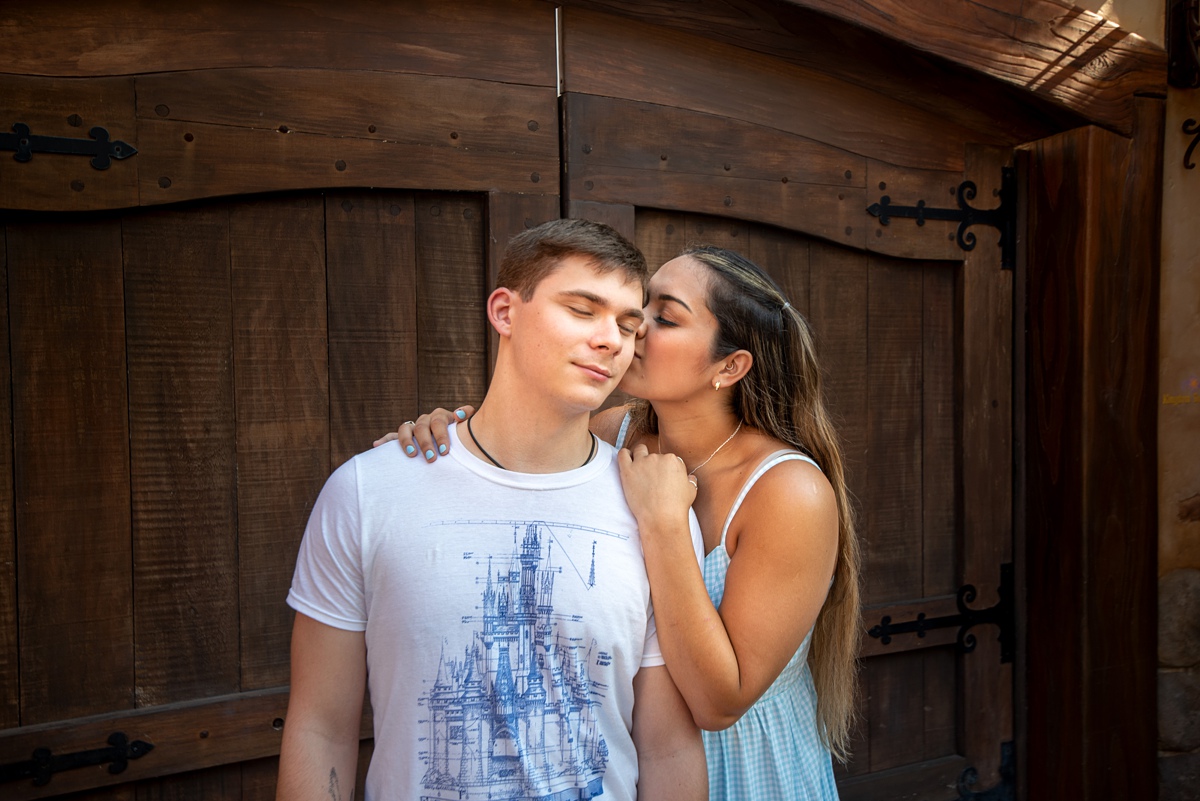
<point x="1065" y="54"/>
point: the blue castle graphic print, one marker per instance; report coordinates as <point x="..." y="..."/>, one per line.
<point x="514" y="717"/>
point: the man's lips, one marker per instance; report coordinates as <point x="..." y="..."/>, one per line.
<point x="596" y="371"/>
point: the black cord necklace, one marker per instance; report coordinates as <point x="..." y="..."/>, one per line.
<point x="492" y="459"/>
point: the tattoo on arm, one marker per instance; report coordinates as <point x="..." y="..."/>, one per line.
<point x="335" y="788"/>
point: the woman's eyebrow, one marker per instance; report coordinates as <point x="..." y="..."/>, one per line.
<point x="674" y="299"/>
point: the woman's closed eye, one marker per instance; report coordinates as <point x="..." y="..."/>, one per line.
<point x="658" y="318"/>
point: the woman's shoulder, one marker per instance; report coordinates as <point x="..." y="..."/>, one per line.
<point x="790" y="484"/>
<point x="606" y="424"/>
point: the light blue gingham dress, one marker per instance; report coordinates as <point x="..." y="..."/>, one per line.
<point x="774" y="751"/>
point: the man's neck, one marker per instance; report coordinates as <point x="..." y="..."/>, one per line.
<point x="527" y="436"/>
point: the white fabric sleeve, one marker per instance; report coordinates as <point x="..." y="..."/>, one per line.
<point x="328" y="582"/>
<point x="651" y="651"/>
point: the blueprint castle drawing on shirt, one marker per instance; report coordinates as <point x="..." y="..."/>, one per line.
<point x="512" y="711"/>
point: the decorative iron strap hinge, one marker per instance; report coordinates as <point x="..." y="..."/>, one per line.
<point x="1001" y="615"/>
<point x="44" y="764"/>
<point x="1003" y="217"/>
<point x="102" y="151"/>
<point x="1004" y="791"/>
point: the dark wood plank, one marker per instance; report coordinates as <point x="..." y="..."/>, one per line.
<point x="785" y="257"/>
<point x="218" y="784"/>
<point x="509" y="41"/>
<point x="71" y="459"/>
<point x="932" y="607"/>
<point x="191" y="736"/>
<point x="1065" y="54"/>
<point x="181" y="429"/>
<point x="893" y="518"/>
<point x="716" y="231"/>
<point x="933" y="780"/>
<point x="860" y="741"/>
<point x="452" y="344"/>
<point x="620" y="216"/>
<point x="896" y="699"/>
<point x="259" y="779"/>
<point x="661" y="235"/>
<point x="509" y="214"/>
<point x="941" y="704"/>
<point x="905" y="186"/>
<point x="10" y="666"/>
<point x="838" y="303"/>
<point x="370" y="247"/>
<point x="1092" y="413"/>
<point x="810" y="39"/>
<point x="277" y="256"/>
<point x="621" y="58"/>
<point x="987" y="332"/>
<point x="450" y="133"/>
<point x="49" y="106"/>
<point x="940" y="425"/>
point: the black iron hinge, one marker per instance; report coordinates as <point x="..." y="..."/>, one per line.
<point x="25" y="144"/>
<point x="1004" y="791"/>
<point x="1000" y="615"/>
<point x="1003" y="217"/>
<point x="45" y="764"/>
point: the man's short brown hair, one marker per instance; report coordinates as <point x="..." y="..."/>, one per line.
<point x="533" y="254"/>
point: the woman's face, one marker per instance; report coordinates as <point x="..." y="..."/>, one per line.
<point x="673" y="355"/>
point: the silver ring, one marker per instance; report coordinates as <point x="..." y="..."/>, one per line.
<point x="680" y="458"/>
<point x="693" y="481"/>
<point x="408" y="423"/>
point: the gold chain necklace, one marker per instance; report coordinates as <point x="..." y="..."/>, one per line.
<point x="711" y="455"/>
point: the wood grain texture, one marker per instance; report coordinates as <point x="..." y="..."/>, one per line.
<point x="277" y="256"/>
<point x="508" y="41"/>
<point x="643" y="154"/>
<point x="71" y="460"/>
<point x="897" y="699"/>
<point x="1091" y="413"/>
<point x="1072" y="57"/>
<point x="10" y="666"/>
<point x="622" y="58"/>
<point x="908" y="783"/>
<point x="987" y="479"/>
<point x="883" y="64"/>
<point x="940" y="422"/>
<point x="52" y="181"/>
<point x="452" y="344"/>
<point x="191" y="736"/>
<point x="892" y="530"/>
<point x="370" y="251"/>
<point x="181" y="427"/>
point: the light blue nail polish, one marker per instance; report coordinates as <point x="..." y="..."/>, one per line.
<point x="410" y="450"/>
<point x="429" y="455"/>
<point x="461" y="414"/>
<point x="442" y="449"/>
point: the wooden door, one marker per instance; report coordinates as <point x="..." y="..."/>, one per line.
<point x="915" y="334"/>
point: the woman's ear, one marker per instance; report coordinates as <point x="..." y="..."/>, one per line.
<point x="733" y="368"/>
<point x="499" y="310"/>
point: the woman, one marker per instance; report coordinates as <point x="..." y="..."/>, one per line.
<point x="761" y="640"/>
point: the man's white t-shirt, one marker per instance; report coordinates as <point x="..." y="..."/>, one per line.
<point x="505" y="613"/>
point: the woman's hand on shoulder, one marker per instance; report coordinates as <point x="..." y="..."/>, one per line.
<point x="657" y="487"/>
<point x="429" y="434"/>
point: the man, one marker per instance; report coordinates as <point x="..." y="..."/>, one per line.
<point x="497" y="599"/>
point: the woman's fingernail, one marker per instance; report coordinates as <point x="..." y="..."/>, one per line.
<point x="410" y="450"/>
<point x="442" y="449"/>
<point x="429" y="455"/>
<point x="460" y="414"/>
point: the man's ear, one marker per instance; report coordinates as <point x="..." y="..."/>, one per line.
<point x="500" y="308"/>
<point x="733" y="368"/>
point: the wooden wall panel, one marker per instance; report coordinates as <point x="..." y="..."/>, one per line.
<point x="940" y="466"/>
<point x="510" y="41"/>
<point x="68" y="108"/>
<point x="1091" y="511"/>
<point x="508" y="215"/>
<point x="277" y="254"/>
<point x="896" y="685"/>
<point x="612" y="57"/>
<point x="660" y="236"/>
<point x="624" y="152"/>
<point x="892" y="526"/>
<point x="182" y="460"/>
<point x="71" y="459"/>
<point x="370" y="245"/>
<point x="10" y="677"/>
<point x="252" y="130"/>
<point x="451" y="319"/>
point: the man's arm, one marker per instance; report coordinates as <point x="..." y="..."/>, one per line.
<point x="671" y="764"/>
<point x="319" y="755"/>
